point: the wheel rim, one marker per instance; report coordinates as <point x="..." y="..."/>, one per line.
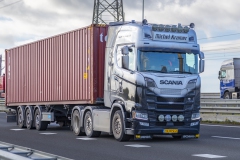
<point x="88" y="127"/>
<point x="117" y="126"/>
<point x="28" y="118"/>
<point x="76" y="124"/>
<point x="37" y="120"/>
<point x="20" y="118"/>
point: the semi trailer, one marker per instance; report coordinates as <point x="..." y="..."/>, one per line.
<point x="121" y="79"/>
<point x="229" y="76"/>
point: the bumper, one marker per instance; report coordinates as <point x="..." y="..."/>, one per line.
<point x="161" y="130"/>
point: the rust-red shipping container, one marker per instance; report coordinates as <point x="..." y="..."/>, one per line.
<point x="63" y="69"/>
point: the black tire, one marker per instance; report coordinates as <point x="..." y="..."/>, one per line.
<point x="29" y="119"/>
<point x="76" y="124"/>
<point x="20" y="118"/>
<point x="226" y="95"/>
<point x="118" y="127"/>
<point x="40" y="125"/>
<point x="88" y="126"/>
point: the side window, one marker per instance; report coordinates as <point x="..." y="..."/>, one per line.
<point x="223" y="74"/>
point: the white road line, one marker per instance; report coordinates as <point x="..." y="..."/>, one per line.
<point x="17" y="129"/>
<point x="208" y="156"/>
<point x="87" y="139"/>
<point x="48" y="133"/>
<point x="136" y="145"/>
<point x="220" y="126"/>
<point x="225" y="137"/>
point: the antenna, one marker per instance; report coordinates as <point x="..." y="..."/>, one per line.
<point x="106" y="11"/>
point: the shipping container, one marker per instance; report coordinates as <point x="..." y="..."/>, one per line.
<point x="64" y="69"/>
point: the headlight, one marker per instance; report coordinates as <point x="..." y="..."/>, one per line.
<point x="150" y="82"/>
<point x="192" y="83"/>
<point x="174" y="118"/>
<point x="195" y="116"/>
<point x="180" y="118"/>
<point x="161" y="118"/>
<point x="138" y="115"/>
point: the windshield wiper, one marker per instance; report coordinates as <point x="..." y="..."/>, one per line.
<point x="154" y="71"/>
<point x="180" y="72"/>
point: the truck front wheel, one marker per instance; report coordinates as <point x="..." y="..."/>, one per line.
<point x="226" y="95"/>
<point x="118" y="127"/>
<point x="40" y="125"/>
<point x="88" y="126"/>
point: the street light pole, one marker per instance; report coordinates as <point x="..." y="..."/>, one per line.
<point x="143" y="10"/>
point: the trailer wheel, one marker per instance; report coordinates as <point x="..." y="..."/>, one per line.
<point x="88" y="126"/>
<point x="118" y="127"/>
<point x="20" y="119"/>
<point x="29" y="119"/>
<point x="76" y="124"/>
<point x="226" y="95"/>
<point x="40" y="125"/>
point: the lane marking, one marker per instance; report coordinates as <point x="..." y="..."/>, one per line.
<point x="87" y="139"/>
<point x="48" y="133"/>
<point x="225" y="137"/>
<point x="220" y="126"/>
<point x="208" y="156"/>
<point x="17" y="129"/>
<point x="136" y="145"/>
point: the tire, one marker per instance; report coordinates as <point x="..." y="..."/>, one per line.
<point x="40" y="125"/>
<point x="76" y="124"/>
<point x="88" y="126"/>
<point x="118" y="127"/>
<point x="226" y="95"/>
<point x="29" y="119"/>
<point x="20" y="117"/>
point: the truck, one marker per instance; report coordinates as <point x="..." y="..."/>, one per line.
<point x="2" y="86"/>
<point x="114" y="79"/>
<point x="229" y="77"/>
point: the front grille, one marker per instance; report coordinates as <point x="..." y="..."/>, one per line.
<point x="178" y="107"/>
<point x="170" y="99"/>
<point x="167" y="91"/>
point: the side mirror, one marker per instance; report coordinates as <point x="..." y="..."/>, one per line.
<point x="201" y="65"/>
<point x="125" y="50"/>
<point x="219" y="74"/>
<point x="201" y="62"/>
<point x="125" y="62"/>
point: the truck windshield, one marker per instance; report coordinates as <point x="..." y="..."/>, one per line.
<point x="167" y="62"/>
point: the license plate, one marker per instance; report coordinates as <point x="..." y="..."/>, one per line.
<point x="170" y="131"/>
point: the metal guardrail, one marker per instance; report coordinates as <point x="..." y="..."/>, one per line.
<point x="210" y="95"/>
<point x="12" y="152"/>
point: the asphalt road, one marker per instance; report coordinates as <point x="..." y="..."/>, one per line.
<point x="215" y="142"/>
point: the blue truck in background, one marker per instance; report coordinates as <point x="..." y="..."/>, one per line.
<point x="229" y="76"/>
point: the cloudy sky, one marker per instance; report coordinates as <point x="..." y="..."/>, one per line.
<point x="217" y="24"/>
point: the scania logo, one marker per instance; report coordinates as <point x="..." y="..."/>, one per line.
<point x="171" y="82"/>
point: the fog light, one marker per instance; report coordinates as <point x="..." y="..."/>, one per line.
<point x="194" y="124"/>
<point x="144" y="124"/>
<point x="180" y="118"/>
<point x="167" y="118"/>
<point x="174" y="118"/>
<point x="161" y="118"/>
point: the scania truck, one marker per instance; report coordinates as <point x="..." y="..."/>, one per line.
<point x="129" y="79"/>
<point x="229" y="76"/>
